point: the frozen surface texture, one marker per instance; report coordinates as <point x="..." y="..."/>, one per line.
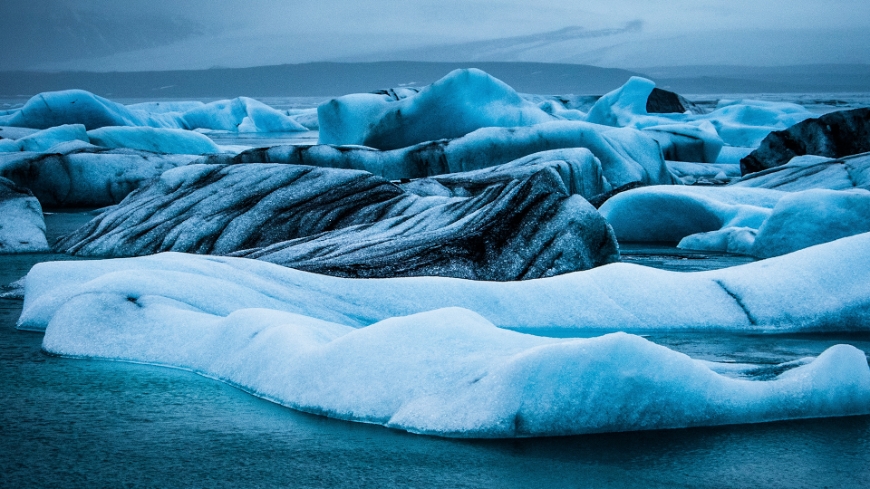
<point x="461" y="102"/>
<point x="820" y="288"/>
<point x="85" y="177"/>
<point x="832" y="135"/>
<point x="22" y="228"/>
<point x="176" y="141"/>
<point x="512" y="224"/>
<point x="427" y="354"/>
<point x="808" y="172"/>
<point x="626" y="155"/>
<point x="450" y="372"/>
<point x="50" y="109"/>
<point x="750" y="221"/>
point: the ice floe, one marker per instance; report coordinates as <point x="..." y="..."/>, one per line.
<point x="808" y="172"/>
<point x="820" y="288"/>
<point x="450" y="372"/>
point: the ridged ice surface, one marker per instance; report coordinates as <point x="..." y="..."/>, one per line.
<point x="517" y="225"/>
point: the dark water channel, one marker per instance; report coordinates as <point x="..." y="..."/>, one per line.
<point x="92" y="423"/>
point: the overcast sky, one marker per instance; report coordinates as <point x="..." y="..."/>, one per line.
<point x="119" y="34"/>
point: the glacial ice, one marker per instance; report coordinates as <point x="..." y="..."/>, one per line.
<point x="670" y="213"/>
<point x="761" y="223"/>
<point x="155" y="140"/>
<point x="626" y="155"/>
<point x="808" y="172"/>
<point x="450" y="372"/>
<point x="85" y="177"/>
<point x="461" y="102"/>
<point x="50" y="109"/>
<point x="22" y="228"/>
<point x="833" y="135"/>
<point x="820" y="288"/>
<point x="508" y="224"/>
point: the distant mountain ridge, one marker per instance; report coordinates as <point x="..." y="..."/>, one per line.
<point x="334" y="79"/>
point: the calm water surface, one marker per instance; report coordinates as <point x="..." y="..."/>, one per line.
<point x="92" y="423"/>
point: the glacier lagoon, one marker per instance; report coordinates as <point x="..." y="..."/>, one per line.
<point x="92" y="422"/>
<point x="769" y="350"/>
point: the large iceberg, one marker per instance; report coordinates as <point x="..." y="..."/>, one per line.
<point x="354" y="224"/>
<point x="459" y="103"/>
<point x="22" y="229"/>
<point x="50" y="109"/>
<point x="820" y="288"/>
<point x="155" y="140"/>
<point x="399" y="352"/>
<point x="450" y="372"/>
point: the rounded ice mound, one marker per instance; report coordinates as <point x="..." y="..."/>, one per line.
<point x="450" y="372"/>
<point x="50" y="109"/>
<point x="811" y="217"/>
<point x="459" y="103"/>
<point x="670" y="213"/>
<point x="155" y="140"/>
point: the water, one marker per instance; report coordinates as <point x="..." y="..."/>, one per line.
<point x="93" y="423"/>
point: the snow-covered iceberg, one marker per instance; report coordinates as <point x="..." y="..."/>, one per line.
<point x="22" y="229"/>
<point x="459" y="103"/>
<point x="450" y="372"/>
<point x="354" y="224"/>
<point x="86" y="177"/>
<point x="820" y="288"/>
<point x="430" y="355"/>
<point x="50" y="109"/>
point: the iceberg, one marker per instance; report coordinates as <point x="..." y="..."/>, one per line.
<point x="23" y="228"/>
<point x="154" y="140"/>
<point x="50" y="109"/>
<point x="832" y="135"/>
<point x="669" y="213"/>
<point x="353" y="224"/>
<point x="820" y="288"/>
<point x="47" y="139"/>
<point x="461" y="102"/>
<point x="761" y="223"/>
<point x="85" y="176"/>
<point x="450" y="372"/>
<point x="808" y="172"/>
<point x="626" y="155"/>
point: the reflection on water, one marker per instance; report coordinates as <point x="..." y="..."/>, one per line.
<point x="86" y="423"/>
